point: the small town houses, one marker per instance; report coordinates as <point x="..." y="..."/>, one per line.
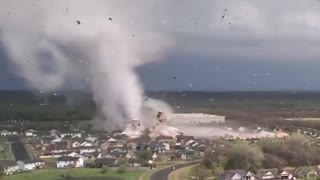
<point x="9" y="167"/>
<point x="307" y="172"/>
<point x="77" y="149"/>
<point x="68" y="161"/>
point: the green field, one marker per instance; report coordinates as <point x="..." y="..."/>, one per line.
<point x="79" y="174"/>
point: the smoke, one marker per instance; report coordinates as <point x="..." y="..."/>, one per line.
<point x="151" y="107"/>
<point x="62" y="43"/>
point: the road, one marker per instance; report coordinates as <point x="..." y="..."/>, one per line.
<point x="18" y="149"/>
<point x="164" y="173"/>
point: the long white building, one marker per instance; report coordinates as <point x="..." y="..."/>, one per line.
<point x="195" y="118"/>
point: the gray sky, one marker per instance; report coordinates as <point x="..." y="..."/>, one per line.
<point x="216" y="44"/>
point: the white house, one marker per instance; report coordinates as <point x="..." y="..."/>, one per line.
<point x="166" y="146"/>
<point x="56" y="140"/>
<point x="71" y="134"/>
<point x="74" y="154"/>
<point x="68" y="161"/>
<point x="5" y="133"/>
<point x="86" y="149"/>
<point x="9" y="167"/>
<point x="75" y="144"/>
<point x="91" y="139"/>
<point x="54" y="133"/>
<point x="30" y="133"/>
<point x="154" y="156"/>
<point x="26" y="165"/>
<point x="86" y="144"/>
<point x="112" y="140"/>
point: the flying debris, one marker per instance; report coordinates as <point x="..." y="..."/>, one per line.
<point x="224" y="13"/>
<point x="67" y="9"/>
<point x="174" y="77"/>
<point x="133" y="35"/>
<point x="110" y="19"/>
<point x="78" y="22"/>
<point x="195" y="23"/>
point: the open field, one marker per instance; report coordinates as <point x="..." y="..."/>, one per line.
<point x="80" y="174"/>
<point x="248" y="108"/>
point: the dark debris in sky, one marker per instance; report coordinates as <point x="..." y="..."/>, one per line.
<point x="78" y="22"/>
<point x="110" y="19"/>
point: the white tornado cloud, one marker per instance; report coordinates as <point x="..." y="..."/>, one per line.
<point x="52" y="43"/>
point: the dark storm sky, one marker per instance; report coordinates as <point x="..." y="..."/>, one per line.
<point x="218" y="44"/>
<point x="182" y="72"/>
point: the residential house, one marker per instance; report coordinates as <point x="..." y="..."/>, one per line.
<point x="123" y="149"/>
<point x="112" y="140"/>
<point x="39" y="163"/>
<point x="5" y="133"/>
<point x="250" y="176"/>
<point x="267" y="173"/>
<point x="26" y="165"/>
<point x="105" y="145"/>
<point x="58" y="148"/>
<point x="154" y="156"/>
<point x="74" y="154"/>
<point x="56" y="140"/>
<point x="157" y="147"/>
<point x="92" y="139"/>
<point x="286" y="174"/>
<point x="91" y="156"/>
<point x="306" y="172"/>
<point x="87" y="149"/>
<point x="68" y="161"/>
<point x="130" y="155"/>
<point x="238" y="174"/>
<point x="116" y="133"/>
<point x="9" y="167"/>
<point x="74" y="134"/>
<point x="166" y="146"/>
<point x="103" y="155"/>
<point x="75" y="144"/>
<point x="30" y="133"/>
<point x="54" y="133"/>
<point x="86" y="144"/>
<point x="100" y="162"/>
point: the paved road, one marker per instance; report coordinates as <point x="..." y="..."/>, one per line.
<point x="18" y="149"/>
<point x="164" y="173"/>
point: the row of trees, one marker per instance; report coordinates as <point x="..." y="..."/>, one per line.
<point x="267" y="153"/>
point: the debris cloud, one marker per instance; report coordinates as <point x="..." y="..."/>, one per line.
<point x="61" y="43"/>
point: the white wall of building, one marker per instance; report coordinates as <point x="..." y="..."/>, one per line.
<point x="195" y="118"/>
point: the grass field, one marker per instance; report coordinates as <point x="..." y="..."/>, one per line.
<point x="5" y="153"/>
<point x="181" y="174"/>
<point x="79" y="174"/>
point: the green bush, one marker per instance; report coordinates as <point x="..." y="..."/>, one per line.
<point x="104" y="169"/>
<point x="122" y="169"/>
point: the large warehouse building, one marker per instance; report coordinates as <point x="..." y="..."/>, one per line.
<point x="195" y="118"/>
